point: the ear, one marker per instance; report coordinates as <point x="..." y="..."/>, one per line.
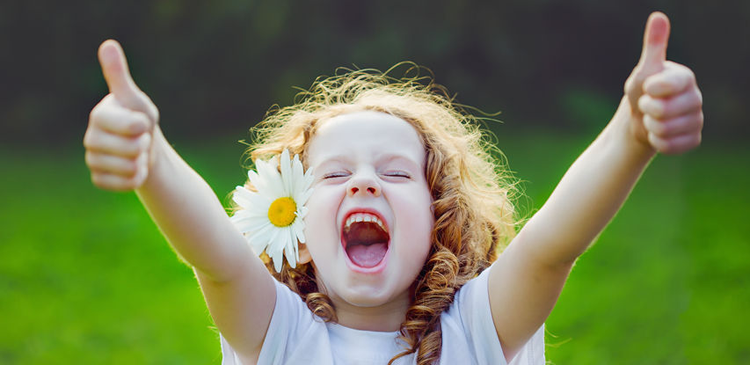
<point x="304" y="254"/>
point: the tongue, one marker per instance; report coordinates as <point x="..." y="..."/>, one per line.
<point x="367" y="256"/>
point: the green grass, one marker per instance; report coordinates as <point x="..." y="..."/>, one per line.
<point x="85" y="276"/>
<point x="667" y="281"/>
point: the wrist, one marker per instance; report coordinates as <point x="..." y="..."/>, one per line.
<point x="158" y="155"/>
<point x="626" y="131"/>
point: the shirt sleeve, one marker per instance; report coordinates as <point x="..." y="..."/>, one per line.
<point x="472" y="306"/>
<point x="290" y="320"/>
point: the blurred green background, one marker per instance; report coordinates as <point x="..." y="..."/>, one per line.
<point x="85" y="276"/>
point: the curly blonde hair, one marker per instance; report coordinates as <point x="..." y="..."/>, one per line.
<point x="467" y="176"/>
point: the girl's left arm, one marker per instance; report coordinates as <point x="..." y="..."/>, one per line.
<point x="660" y="112"/>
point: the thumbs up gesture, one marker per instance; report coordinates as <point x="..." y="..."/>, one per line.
<point x="666" y="106"/>
<point x="119" y="137"/>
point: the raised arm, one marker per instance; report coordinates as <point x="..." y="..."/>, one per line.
<point x="126" y="150"/>
<point x="660" y="112"/>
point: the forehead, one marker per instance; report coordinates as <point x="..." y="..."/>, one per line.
<point x="365" y="132"/>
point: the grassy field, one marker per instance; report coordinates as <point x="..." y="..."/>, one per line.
<point x="85" y="276"/>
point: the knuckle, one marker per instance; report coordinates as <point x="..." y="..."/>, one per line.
<point x="127" y="183"/>
<point x="90" y="159"/>
<point x="91" y="138"/>
<point x="96" y="114"/>
<point x="656" y="142"/>
<point x="661" y="129"/>
<point x="150" y="108"/>
<point x="629" y="84"/>
<point x="643" y="102"/>
<point x="111" y="182"/>
<point x="139" y="123"/>
<point x="144" y="142"/>
<point x="130" y="168"/>
<point x="99" y="180"/>
<point x="134" y="182"/>
<point x="696" y="99"/>
<point x="87" y="139"/>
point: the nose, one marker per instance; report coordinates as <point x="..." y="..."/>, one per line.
<point x="363" y="183"/>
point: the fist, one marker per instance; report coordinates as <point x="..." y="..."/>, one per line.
<point x="666" y="105"/>
<point x="119" y="136"/>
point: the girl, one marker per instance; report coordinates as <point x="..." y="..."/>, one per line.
<point x="387" y="249"/>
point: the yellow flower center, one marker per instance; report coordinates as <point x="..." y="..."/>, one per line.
<point x="281" y="212"/>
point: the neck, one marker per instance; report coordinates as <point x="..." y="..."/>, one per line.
<point x="383" y="318"/>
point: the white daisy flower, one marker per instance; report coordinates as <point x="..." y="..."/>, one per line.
<point x="272" y="218"/>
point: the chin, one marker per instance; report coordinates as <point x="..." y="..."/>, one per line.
<point x="364" y="295"/>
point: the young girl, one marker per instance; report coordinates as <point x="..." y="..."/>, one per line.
<point x="381" y="216"/>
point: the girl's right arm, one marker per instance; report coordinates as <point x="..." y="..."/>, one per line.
<point x="125" y="150"/>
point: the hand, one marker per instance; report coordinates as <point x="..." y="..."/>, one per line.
<point x="666" y="106"/>
<point x="121" y="127"/>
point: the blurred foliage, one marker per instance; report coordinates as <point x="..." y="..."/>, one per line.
<point x="218" y="66"/>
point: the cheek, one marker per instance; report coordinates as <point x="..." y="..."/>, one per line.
<point x="424" y="238"/>
<point x="420" y="221"/>
<point x="320" y="222"/>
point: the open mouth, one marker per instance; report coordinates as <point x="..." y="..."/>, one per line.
<point x="365" y="239"/>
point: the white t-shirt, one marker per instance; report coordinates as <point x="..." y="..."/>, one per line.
<point x="296" y="336"/>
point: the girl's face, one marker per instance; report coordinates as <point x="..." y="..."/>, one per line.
<point x="369" y="223"/>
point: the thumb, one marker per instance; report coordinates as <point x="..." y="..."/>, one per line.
<point x="120" y="83"/>
<point x="655" y="39"/>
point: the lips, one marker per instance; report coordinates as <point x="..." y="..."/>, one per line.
<point x="366" y="239"/>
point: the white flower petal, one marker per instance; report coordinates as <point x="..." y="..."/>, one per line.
<point x="275" y="248"/>
<point x="302" y="196"/>
<point x="290" y="251"/>
<point x="251" y="227"/>
<point x="281" y="176"/>
<point x="277" y="242"/>
<point x="286" y="173"/>
<point x="261" y="235"/>
<point x="301" y="212"/>
<point x="247" y="199"/>
<point x="244" y="223"/>
<point x="299" y="231"/>
<point x="303" y="193"/>
<point x="256" y="180"/>
<point x="270" y="182"/>
<point x="297" y="172"/>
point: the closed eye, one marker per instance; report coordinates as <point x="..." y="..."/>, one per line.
<point x="333" y="175"/>
<point x="400" y="174"/>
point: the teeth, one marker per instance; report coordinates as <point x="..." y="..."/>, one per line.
<point x="364" y="217"/>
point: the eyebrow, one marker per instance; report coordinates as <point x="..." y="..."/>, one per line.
<point x="388" y="157"/>
<point x="385" y="157"/>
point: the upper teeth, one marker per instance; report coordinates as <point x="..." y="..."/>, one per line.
<point x="364" y="217"/>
